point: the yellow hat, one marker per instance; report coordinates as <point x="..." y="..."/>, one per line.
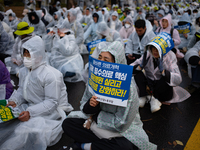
<point x="23" y="28"/>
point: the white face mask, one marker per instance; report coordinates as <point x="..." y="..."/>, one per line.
<point x="27" y="62"/>
<point x="127" y="26"/>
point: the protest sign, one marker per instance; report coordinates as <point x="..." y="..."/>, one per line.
<point x="110" y="82"/>
<point x="92" y="45"/>
<point x="183" y="29"/>
<point x="5" y="112"/>
<point x="125" y="41"/>
<point x="164" y="41"/>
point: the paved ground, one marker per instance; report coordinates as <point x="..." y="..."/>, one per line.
<point x="174" y="122"/>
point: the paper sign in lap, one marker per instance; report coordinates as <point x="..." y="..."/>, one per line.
<point x="110" y="82"/>
<point x="183" y="29"/>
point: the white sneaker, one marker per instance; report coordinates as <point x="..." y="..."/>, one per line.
<point x="155" y="104"/>
<point x="142" y="101"/>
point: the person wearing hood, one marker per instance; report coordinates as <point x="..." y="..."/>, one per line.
<point x="46" y="17"/>
<point x="53" y="9"/>
<point x="138" y="40"/>
<point x="196" y="22"/>
<point x="91" y="34"/>
<point x="162" y="76"/>
<point x="116" y="127"/>
<point x="139" y="15"/>
<point x="115" y="23"/>
<point x="36" y="22"/>
<point x="58" y="20"/>
<point x="42" y="100"/>
<point x="185" y="38"/>
<point x="58" y="6"/>
<point x="192" y="57"/>
<point x="6" y="88"/>
<point x="107" y="33"/>
<point x="105" y="14"/>
<point x="79" y="14"/>
<point x="166" y="26"/>
<point x="6" y="44"/>
<point x="25" y="14"/>
<point x="127" y="29"/>
<point x="65" y="56"/>
<point x="6" y="26"/>
<point x="24" y="32"/>
<point x="86" y="19"/>
<point x="160" y="14"/>
<point x="195" y="38"/>
<point x="12" y="20"/>
<point x="30" y="4"/>
<point x="76" y="28"/>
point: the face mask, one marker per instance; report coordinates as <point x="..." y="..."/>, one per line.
<point x="127" y="26"/>
<point x="27" y="62"/>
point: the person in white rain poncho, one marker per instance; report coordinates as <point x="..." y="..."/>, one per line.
<point x="57" y="19"/>
<point x="106" y="14"/>
<point x="115" y="23"/>
<point x="77" y="29"/>
<point x="86" y="20"/>
<point x="11" y="20"/>
<point x="138" y="40"/>
<point x="36" y="22"/>
<point x="42" y="93"/>
<point x="185" y="38"/>
<point x="65" y="56"/>
<point x="24" y="33"/>
<point x="30" y="4"/>
<point x="25" y="14"/>
<point x="6" y="44"/>
<point x="91" y="34"/>
<point x="109" y="34"/>
<point x="46" y="17"/>
<point x="162" y="76"/>
<point x="110" y="127"/>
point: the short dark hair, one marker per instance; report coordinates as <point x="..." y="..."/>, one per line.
<point x="140" y="24"/>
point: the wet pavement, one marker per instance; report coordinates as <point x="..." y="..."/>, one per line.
<point x="171" y="123"/>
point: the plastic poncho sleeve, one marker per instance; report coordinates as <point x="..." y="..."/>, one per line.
<point x="50" y="102"/>
<point x="87" y="26"/>
<point x="14" y="24"/>
<point x="176" y="38"/>
<point x="40" y="29"/>
<point x="4" y="41"/>
<point x="15" y="50"/>
<point x="79" y="32"/>
<point x="192" y="42"/>
<point x="88" y="32"/>
<point x="129" y="46"/>
<point x="123" y="117"/>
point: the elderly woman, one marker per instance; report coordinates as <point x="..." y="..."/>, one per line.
<point x="121" y="126"/>
<point x="42" y="99"/>
<point x="115" y="23"/>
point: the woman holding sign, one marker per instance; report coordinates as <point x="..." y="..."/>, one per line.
<point x="109" y="127"/>
<point x="162" y="75"/>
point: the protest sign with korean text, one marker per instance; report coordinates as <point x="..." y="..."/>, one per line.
<point x="92" y="45"/>
<point x="164" y="41"/>
<point x="184" y="29"/>
<point x="110" y="82"/>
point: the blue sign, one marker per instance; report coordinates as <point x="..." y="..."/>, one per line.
<point x="164" y="41"/>
<point x="92" y="45"/>
<point x="184" y="29"/>
<point x="110" y="82"/>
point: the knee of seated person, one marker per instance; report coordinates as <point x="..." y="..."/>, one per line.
<point x="65" y="124"/>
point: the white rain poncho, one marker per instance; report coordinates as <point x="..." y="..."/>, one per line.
<point x="17" y="54"/>
<point x="8" y="29"/>
<point x="56" y="22"/>
<point x="13" y="23"/>
<point x="134" y="42"/>
<point x="117" y="24"/>
<point x="106" y="14"/>
<point x="87" y="19"/>
<point x="29" y="5"/>
<point x="186" y="19"/>
<point x="169" y="64"/>
<point x="107" y="33"/>
<point x="66" y="58"/>
<point x="43" y="91"/>
<point x="194" y="51"/>
<point x="123" y="120"/>
<point x="79" y="13"/>
<point x="91" y="34"/>
<point x="6" y="42"/>
<point x="39" y="27"/>
<point x="46" y="16"/>
<point x="77" y="28"/>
